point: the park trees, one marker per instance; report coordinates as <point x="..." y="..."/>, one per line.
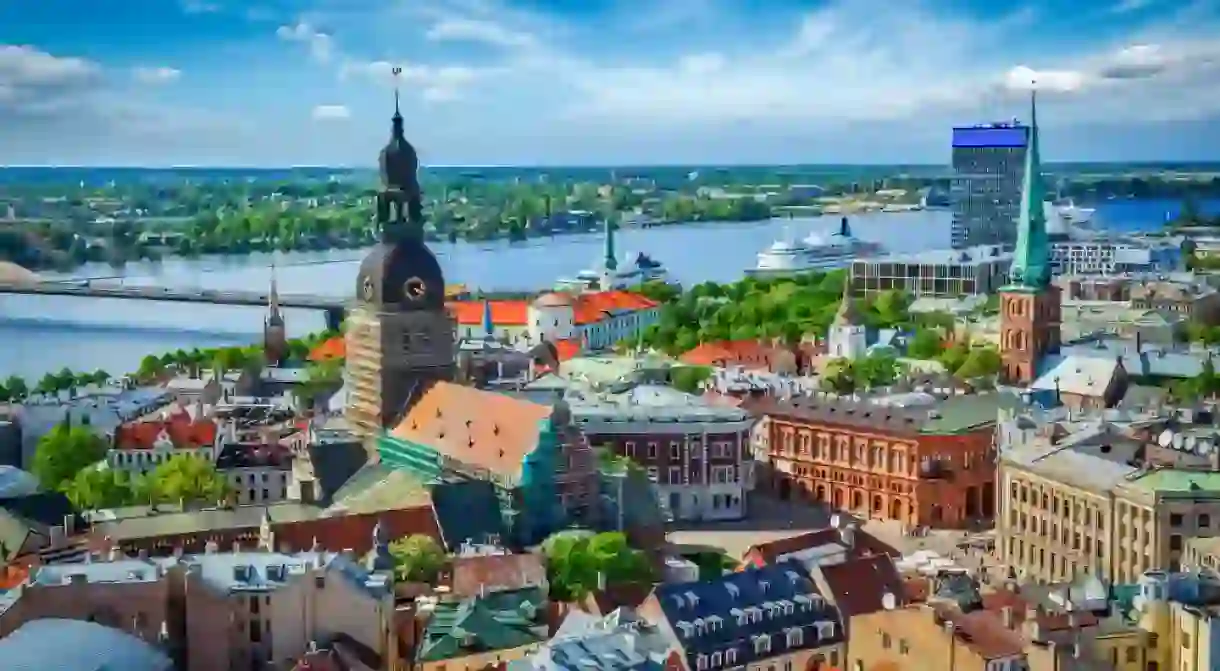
<point x="578" y="562"/>
<point x="95" y="488"/>
<point x="65" y="451"/>
<point x="417" y="558"/>
<point x="186" y="477"/>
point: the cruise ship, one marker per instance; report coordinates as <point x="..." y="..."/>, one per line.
<point x="789" y="257"/>
<point x="643" y="268"/>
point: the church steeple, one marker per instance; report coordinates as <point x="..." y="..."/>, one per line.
<point x="275" y="316"/>
<point x="1031" y="258"/>
<point x="609" y="256"/>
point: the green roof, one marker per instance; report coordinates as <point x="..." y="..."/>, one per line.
<point x="1179" y="481"/>
<point x="499" y="621"/>
<point x="959" y="414"/>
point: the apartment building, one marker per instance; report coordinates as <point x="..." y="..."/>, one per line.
<point x="985" y="194"/>
<point x="1102" y="256"/>
<point x="1182" y="612"/>
<point x="924" y="464"/>
<point x="969" y="271"/>
<point x="220" y="611"/>
<point x="1087" y="495"/>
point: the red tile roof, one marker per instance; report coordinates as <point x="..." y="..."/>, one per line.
<point x="588" y="308"/>
<point x="857" y="585"/>
<point x="863" y="545"/>
<point x="983" y="632"/>
<point x="332" y="348"/>
<point x="997" y="601"/>
<point x="474" y="575"/>
<point x="477" y="427"/>
<point x="181" y="429"/>
<point x="503" y="313"/>
<point x="355" y="532"/>
<point x="567" y="349"/>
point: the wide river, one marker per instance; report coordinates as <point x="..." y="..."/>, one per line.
<point x="41" y="334"/>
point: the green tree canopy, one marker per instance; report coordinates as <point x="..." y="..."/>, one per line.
<point x="925" y="344"/>
<point x="96" y="488"/>
<point x="577" y="562"/>
<point x="688" y="378"/>
<point x="417" y="558"/>
<point x="65" y="451"/>
<point x="187" y="477"/>
<point x="981" y="361"/>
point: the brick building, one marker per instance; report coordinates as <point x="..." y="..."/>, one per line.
<point x="922" y="466"/>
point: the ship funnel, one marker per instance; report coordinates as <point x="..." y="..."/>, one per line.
<point x="844" y="229"/>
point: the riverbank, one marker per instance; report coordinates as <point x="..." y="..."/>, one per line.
<point x="44" y="334"/>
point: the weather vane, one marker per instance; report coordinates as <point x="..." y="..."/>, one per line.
<point x="396" y="71"/>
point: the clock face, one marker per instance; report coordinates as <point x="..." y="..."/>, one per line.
<point x="368" y="289"/>
<point x="414" y="289"/>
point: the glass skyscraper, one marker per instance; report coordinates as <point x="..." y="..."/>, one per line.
<point x="988" y="164"/>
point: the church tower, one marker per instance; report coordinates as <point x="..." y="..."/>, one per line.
<point x="609" y="257"/>
<point x="847" y="337"/>
<point x="275" y="335"/>
<point x="400" y="338"/>
<point x="1029" y="304"/>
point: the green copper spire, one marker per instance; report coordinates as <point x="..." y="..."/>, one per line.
<point x="1031" y="266"/>
<point x="610" y="262"/>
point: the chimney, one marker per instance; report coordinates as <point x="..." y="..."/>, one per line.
<point x="69" y="525"/>
<point x="57" y="537"/>
<point x="236" y="547"/>
<point x="142" y="554"/>
<point x="211" y="547"/>
<point x="177" y="552"/>
<point x="847" y="535"/>
<point x="1006" y="615"/>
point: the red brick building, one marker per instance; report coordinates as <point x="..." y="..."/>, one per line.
<point x="923" y="466"/>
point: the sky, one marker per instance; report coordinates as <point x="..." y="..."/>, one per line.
<point x="600" y="82"/>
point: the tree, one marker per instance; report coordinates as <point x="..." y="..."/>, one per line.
<point x="688" y="378"/>
<point x="981" y="361"/>
<point x="48" y="385"/>
<point x="954" y="356"/>
<point x="577" y="562"/>
<point x="65" y="451"/>
<point x="100" y="377"/>
<point x="97" y="488"/>
<point x="417" y="558"/>
<point x="150" y="368"/>
<point x="187" y="477"/>
<point x="17" y="388"/>
<point x="925" y="344"/>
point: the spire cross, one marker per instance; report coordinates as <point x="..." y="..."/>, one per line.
<point x="396" y="71"/>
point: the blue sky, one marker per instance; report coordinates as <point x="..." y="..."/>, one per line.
<point x="494" y="82"/>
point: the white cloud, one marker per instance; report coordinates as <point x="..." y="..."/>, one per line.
<point x="459" y="29"/>
<point x="434" y="83"/>
<point x="154" y="76"/>
<point x="34" y="83"/>
<point x="321" y="45"/>
<point x="331" y="113"/>
<point x="199" y="7"/>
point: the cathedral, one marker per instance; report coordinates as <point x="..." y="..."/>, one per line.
<point x="1029" y="304"/>
<point x="400" y="337"/>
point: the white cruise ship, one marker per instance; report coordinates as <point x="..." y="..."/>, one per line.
<point x="815" y="252"/>
<point x="643" y="268"/>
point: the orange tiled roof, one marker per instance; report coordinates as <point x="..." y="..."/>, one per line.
<point x="503" y="313"/>
<point x="474" y="426"/>
<point x="588" y="308"/>
<point x="333" y="348"/>
<point x="728" y="352"/>
<point x="13" y="575"/>
<point x="182" y="430"/>
<point x="568" y="348"/>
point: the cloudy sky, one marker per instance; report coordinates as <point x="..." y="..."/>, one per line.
<point x="512" y="82"/>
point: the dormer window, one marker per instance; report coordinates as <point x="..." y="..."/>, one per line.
<point x="796" y="636"/>
<point x="716" y="661"/>
<point x="701" y="662"/>
<point x="730" y="656"/>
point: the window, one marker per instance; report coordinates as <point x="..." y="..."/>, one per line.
<point x="1175" y="519"/>
<point x="254" y="605"/>
<point x="675" y="450"/>
<point x="675" y="475"/>
<point x="256" y="631"/>
<point x="629" y="448"/>
<point x="652" y="473"/>
<point x="885" y="640"/>
<point x="903" y="648"/>
<point x="652" y="450"/>
<point x="1205" y="521"/>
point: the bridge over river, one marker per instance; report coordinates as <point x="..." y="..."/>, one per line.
<point x="334" y="307"/>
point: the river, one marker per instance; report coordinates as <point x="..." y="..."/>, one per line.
<point x="41" y="334"/>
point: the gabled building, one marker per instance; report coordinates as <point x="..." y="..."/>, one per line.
<point x="141" y="445"/>
<point x="596" y="320"/>
<point x="539" y="461"/>
<point x="842" y="541"/>
<point x="772" y="616"/>
<point x="482" y="631"/>
<point x="619" y="641"/>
